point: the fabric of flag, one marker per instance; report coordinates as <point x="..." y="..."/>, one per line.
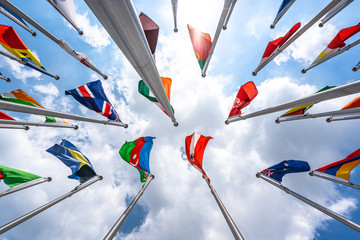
<point x="145" y="91"/>
<point x="246" y="94"/>
<point x="195" y="145"/>
<point x="67" y="8"/>
<point x="151" y="30"/>
<point x="302" y="109"/>
<point x="343" y="167"/>
<point x="92" y="96"/>
<point x="137" y="154"/>
<point x="13" y="177"/>
<point x="283" y="7"/>
<point x="5" y="116"/>
<point x="277" y="171"/>
<point x="353" y="104"/>
<point x="11" y="41"/>
<point x="277" y="43"/>
<point x="15" y="15"/>
<point x="81" y="168"/>
<point x="201" y="43"/>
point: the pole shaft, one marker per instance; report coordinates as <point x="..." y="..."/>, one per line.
<point x="25" y="185"/>
<point x="331" y="119"/>
<point x="40" y="124"/>
<point x="14" y="19"/>
<point x="174" y="4"/>
<point x="111" y="234"/>
<point x="336" y="10"/>
<point x="13" y="127"/>
<point x="283" y="11"/>
<point x="333" y="179"/>
<point x="229" y="14"/>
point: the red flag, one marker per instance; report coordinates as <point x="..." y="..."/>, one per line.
<point x="246" y="94"/>
<point x="195" y="145"/>
<point x="338" y="41"/>
<point x="353" y="104"/>
<point x="151" y="30"/>
<point x="201" y="43"/>
<point x="5" y="116"/>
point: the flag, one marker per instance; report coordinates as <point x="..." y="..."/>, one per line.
<point x="81" y="168"/>
<point x="246" y="94"/>
<point x="13" y="177"/>
<point x="66" y="7"/>
<point x="285" y="5"/>
<point x="277" y="43"/>
<point x="145" y="91"/>
<point x="15" y="15"/>
<point x="137" y="154"/>
<point x="302" y="109"/>
<point x="201" y="43"/>
<point x="92" y="96"/>
<point x="277" y="171"/>
<point x="343" y="167"/>
<point x="195" y="145"/>
<point x="353" y="104"/>
<point x="5" y="116"/>
<point x="151" y="30"/>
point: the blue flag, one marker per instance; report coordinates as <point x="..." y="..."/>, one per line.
<point x="92" y="96"/>
<point x="79" y="164"/>
<point x="277" y="171"/>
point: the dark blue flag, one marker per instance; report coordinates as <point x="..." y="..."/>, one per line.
<point x="277" y="171"/>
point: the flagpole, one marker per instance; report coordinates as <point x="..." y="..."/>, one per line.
<point x="174" y="4"/>
<point x="333" y="12"/>
<point x="327" y="57"/>
<point x="297" y="35"/>
<point x="39" y="124"/>
<point x="357" y="66"/>
<point x="17" y="21"/>
<point x="66" y="17"/>
<point x="229" y="14"/>
<point x="281" y="14"/>
<point x="336" y="92"/>
<point x="14" y="127"/>
<point x="327" y="211"/>
<point x="224" y="13"/>
<point x="114" y="230"/>
<point x="33" y="213"/>
<point x="331" y="119"/>
<point x="234" y="230"/>
<point x="5" y="78"/>
<point x="334" y="179"/>
<point x="17" y="107"/>
<point x="25" y="185"/>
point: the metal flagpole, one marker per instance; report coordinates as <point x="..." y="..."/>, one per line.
<point x="3" y="126"/>
<point x="17" y="107"/>
<point x="297" y="35"/>
<point x="234" y="230"/>
<point x="111" y="234"/>
<point x="334" y="179"/>
<point x="340" y="6"/>
<point x="29" y="64"/>
<point x="66" y="17"/>
<point x="336" y="92"/>
<point x="39" y="124"/>
<point x="316" y="115"/>
<point x="121" y="21"/>
<point x="33" y="213"/>
<point x="331" y="55"/>
<point x="229" y="14"/>
<point x="331" y="119"/>
<point x="5" y="78"/>
<point x="357" y="66"/>
<point x="17" y="21"/>
<point x="25" y="185"/>
<point x="224" y="13"/>
<point x="328" y="212"/>
<point x="174" y="4"/>
<point x="279" y="16"/>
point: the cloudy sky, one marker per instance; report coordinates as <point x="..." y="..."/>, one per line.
<point x="178" y="203"/>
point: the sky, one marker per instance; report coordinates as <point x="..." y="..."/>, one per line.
<point x="178" y="204"/>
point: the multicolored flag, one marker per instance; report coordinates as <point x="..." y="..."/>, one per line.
<point x="277" y="43"/>
<point x="246" y="94"/>
<point x="137" y="154"/>
<point x="13" y="177"/>
<point x="5" y="116"/>
<point x="343" y="167"/>
<point x="285" y="5"/>
<point x="92" y="96"/>
<point x="201" y="43"/>
<point x="151" y="30"/>
<point x="277" y="171"/>
<point x="145" y="91"/>
<point x="195" y="145"/>
<point x="81" y="168"/>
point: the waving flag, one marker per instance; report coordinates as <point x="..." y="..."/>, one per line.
<point x="246" y="94"/>
<point x="201" y="43"/>
<point x="92" y="96"/>
<point x="137" y="154"/>
<point x="285" y="5"/>
<point x="145" y="91"/>
<point x="66" y="9"/>
<point x="5" y="116"/>
<point x="13" y="177"/>
<point x="353" y="104"/>
<point x="81" y="168"/>
<point x="195" y="145"/>
<point x="151" y="30"/>
<point x="343" y="167"/>
<point x="277" y="171"/>
<point x="14" y="17"/>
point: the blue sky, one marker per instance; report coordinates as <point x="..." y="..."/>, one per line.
<point x="178" y="204"/>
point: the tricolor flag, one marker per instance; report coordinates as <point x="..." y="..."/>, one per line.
<point x="277" y="171"/>
<point x="137" y="154"/>
<point x="5" y="116"/>
<point x="343" y="167"/>
<point x="81" y="168"/>
<point x="201" y="43"/>
<point x="13" y="177"/>
<point x="277" y="43"/>
<point x="92" y="96"/>
<point x="151" y="30"/>
<point x="145" y="91"/>
<point x="195" y="145"/>
<point x="246" y="94"/>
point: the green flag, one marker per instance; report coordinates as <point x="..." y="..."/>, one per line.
<point x="13" y="177"/>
